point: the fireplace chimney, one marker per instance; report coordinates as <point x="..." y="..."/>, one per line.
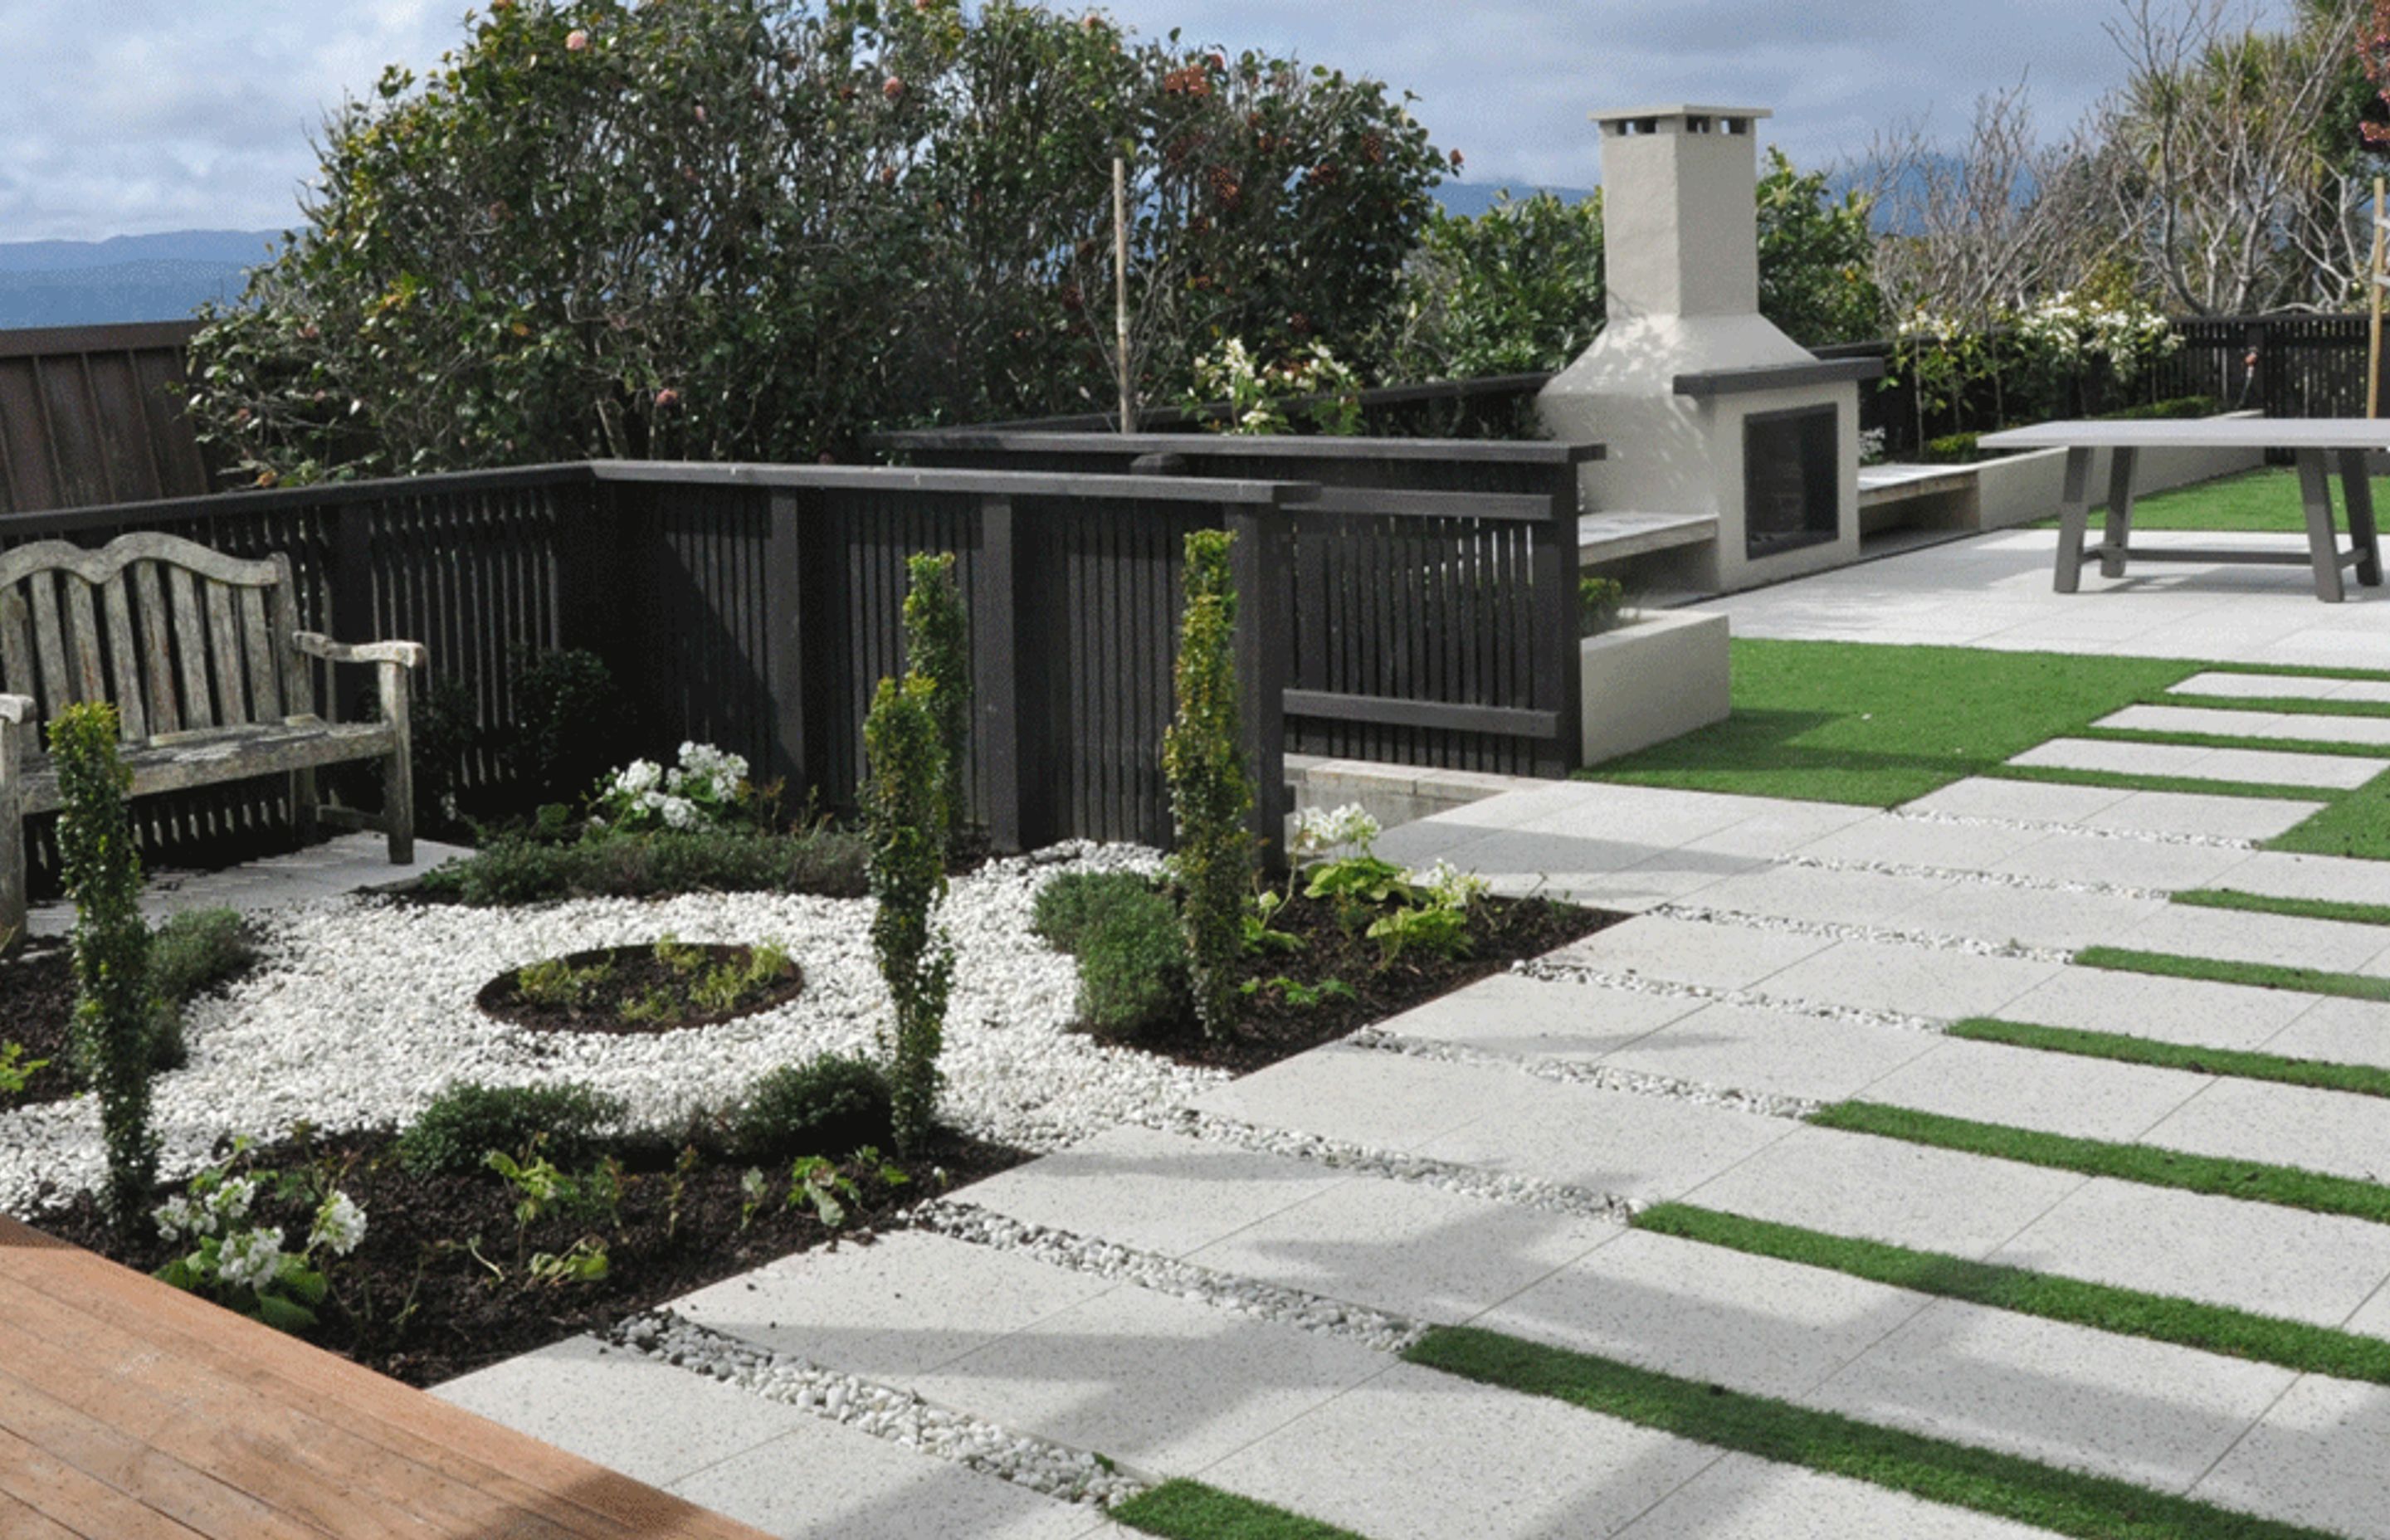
<point x="1680" y="200"/>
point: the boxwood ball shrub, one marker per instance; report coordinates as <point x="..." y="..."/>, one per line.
<point x="937" y="646"/>
<point x="189" y="953"/>
<point x="832" y="1105"/>
<point x="1211" y="791"/>
<point x="905" y="811"/>
<point x="116" y="1008"/>
<point x="1069" y="907"/>
<point x="469" y="1120"/>
<point x="1132" y="972"/>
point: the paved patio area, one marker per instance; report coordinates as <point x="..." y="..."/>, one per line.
<point x="343" y="864"/>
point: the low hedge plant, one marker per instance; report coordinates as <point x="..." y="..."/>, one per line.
<point x="525" y="869"/>
<point x="831" y="1105"/>
<point x="456" y="1133"/>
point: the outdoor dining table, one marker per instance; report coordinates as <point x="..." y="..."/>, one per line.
<point x="2345" y="440"/>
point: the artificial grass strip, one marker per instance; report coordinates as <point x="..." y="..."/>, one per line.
<point x="2126" y="780"/>
<point x="2297" y="908"/>
<point x="2170" y="964"/>
<point x="2255" y="502"/>
<point x="2233" y="740"/>
<point x="2160" y="1318"/>
<point x="2255" y="1181"/>
<point x="1189" y="1510"/>
<point x="2273" y="705"/>
<point x="1876" y="725"/>
<point x="2364" y="1080"/>
<point x="2354" y="824"/>
<point x="2008" y="1486"/>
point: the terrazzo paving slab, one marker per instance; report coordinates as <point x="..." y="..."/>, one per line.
<point x="2258" y="766"/>
<point x="1159" y="1383"/>
<point x="1826" y="894"/>
<point x="1615" y="1142"/>
<point x="1752" y="1048"/>
<point x="2282" y="875"/>
<point x="1742" y="1498"/>
<point x="2329" y="1131"/>
<point x="2124" y="1406"/>
<point x="2315" y="1459"/>
<point x="2229" y="935"/>
<point x="1921" y="842"/>
<point x="2272" y="686"/>
<point x="1446" y="1459"/>
<point x="2173" y="1010"/>
<point x="1385" y="1100"/>
<point x="2028" y="916"/>
<point x="2086" y="1098"/>
<point x="907" y="1304"/>
<point x="1913" y="981"/>
<point x="2337" y="1031"/>
<point x="2312" y="728"/>
<point x="1508" y="1013"/>
<point x="1408" y="1249"/>
<point x="1718" y="956"/>
<point x="1156" y="1192"/>
<point x="2118" y="861"/>
<point x="2259" y="1257"/>
<point x="2022" y="802"/>
<point x="2244" y="818"/>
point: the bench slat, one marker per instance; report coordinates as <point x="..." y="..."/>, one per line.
<point x="232" y="685"/>
<point x="191" y="649"/>
<point x="49" y="644"/>
<point x="227" y="753"/>
<point x="16" y="674"/>
<point x="298" y="672"/>
<point x="157" y="651"/>
<point x="115" y="600"/>
<point x="264" y="689"/>
<point x="88" y="670"/>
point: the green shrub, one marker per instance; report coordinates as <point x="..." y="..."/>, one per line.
<point x="191" y="953"/>
<point x="1133" y="967"/>
<point x="468" y="1121"/>
<point x="834" y="1105"/>
<point x="568" y="727"/>
<point x="937" y="647"/>
<point x="1597" y="603"/>
<point x="1952" y="449"/>
<point x="116" y="1010"/>
<point x="1211" y="791"/>
<point x="1071" y="902"/>
<point x="905" y="813"/>
<point x="2171" y="408"/>
<point x="524" y="869"/>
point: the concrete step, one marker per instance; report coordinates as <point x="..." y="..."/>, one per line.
<point x="2257" y="766"/>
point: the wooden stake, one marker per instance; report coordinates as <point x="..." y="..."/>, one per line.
<point x="2373" y="277"/>
<point x="1119" y="293"/>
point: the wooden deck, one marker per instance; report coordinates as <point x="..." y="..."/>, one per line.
<point x="130" y="1410"/>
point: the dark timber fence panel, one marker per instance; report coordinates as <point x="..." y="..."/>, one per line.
<point x="94" y="414"/>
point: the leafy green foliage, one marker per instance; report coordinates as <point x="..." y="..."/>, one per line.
<point x="520" y="869"/>
<point x="1301" y="996"/>
<point x="1210" y="790"/>
<point x="1134" y="967"/>
<point x="464" y="1123"/>
<point x="1817" y="258"/>
<point x="250" y="1266"/>
<point x="116" y="1005"/>
<point x="937" y="646"/>
<point x="1068" y="906"/>
<point x="16" y="1071"/>
<point x="1599" y="600"/>
<point x="189" y="953"/>
<point x="753" y="229"/>
<point x="567" y="724"/>
<point x="1190" y="1510"/>
<point x="830" y="1105"/>
<point x="905" y="810"/>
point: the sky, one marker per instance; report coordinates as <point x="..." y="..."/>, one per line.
<point x="128" y="117"/>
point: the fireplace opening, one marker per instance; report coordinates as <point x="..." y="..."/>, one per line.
<point x="1791" y="482"/>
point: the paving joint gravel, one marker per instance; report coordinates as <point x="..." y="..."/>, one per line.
<point x="1601" y="1077"/>
<point x="1552" y="970"/>
<point x="1936" y="941"/>
<point x="2022" y="880"/>
<point x="2095" y="831"/>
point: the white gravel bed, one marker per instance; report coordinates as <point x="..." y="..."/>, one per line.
<point x="884" y="1411"/>
<point x="1601" y="1077"/>
<point x="361" y="1011"/>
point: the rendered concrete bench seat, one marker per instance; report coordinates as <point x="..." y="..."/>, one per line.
<point x="1604" y="537"/>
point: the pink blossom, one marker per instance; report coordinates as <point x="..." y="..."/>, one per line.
<point x="576" y="41"/>
<point x="892" y="88"/>
<point x="667" y="397"/>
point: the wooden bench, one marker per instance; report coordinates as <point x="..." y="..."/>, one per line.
<point x="202" y="656"/>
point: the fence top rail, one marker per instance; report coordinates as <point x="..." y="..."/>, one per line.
<point x="167" y="510"/>
<point x="1008" y="483"/>
<point x="134" y="336"/>
<point x="1220" y="445"/>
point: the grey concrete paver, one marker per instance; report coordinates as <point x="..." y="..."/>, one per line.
<point x="2173" y="1010"/>
<point x="2327" y="1131"/>
<point x="2257" y="766"/>
<point x="1923" y="843"/>
<point x="2337" y="1031"/>
<point x="2228" y="935"/>
<point x="2261" y="686"/>
<point x="1508" y="1013"/>
<point x="2085" y="1098"/>
<point x="2192" y="813"/>
<point x="2313" y="728"/>
<point x="1915" y="980"/>
<point x="1751" y="1049"/>
<point x="2024" y="802"/>
<point x="1829" y="895"/>
<point x="2079" y="855"/>
<point x="2283" y="875"/>
<point x="1742" y="1498"/>
<point x="1615" y="1142"/>
<point x="1384" y="1100"/>
<point x="1985" y="911"/>
<point x="2315" y="1459"/>
<point x="1718" y="956"/>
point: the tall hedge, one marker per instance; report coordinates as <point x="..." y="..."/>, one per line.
<point x="115" y="1003"/>
<point x="937" y="647"/>
<point x="904" y="813"/>
<point x="1210" y="790"/>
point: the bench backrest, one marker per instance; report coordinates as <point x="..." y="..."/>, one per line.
<point x="180" y="638"/>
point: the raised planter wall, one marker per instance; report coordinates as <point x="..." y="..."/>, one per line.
<point x="1658" y="675"/>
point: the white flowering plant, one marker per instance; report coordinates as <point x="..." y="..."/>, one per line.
<point x="1401" y="909"/>
<point x="1261" y="394"/>
<point x="707" y="788"/>
<point x="250" y="1266"/>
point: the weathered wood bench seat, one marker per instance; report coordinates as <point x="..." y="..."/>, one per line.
<point x="202" y="656"/>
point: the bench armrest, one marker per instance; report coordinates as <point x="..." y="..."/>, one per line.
<point x="316" y="645"/>
<point x="16" y="708"/>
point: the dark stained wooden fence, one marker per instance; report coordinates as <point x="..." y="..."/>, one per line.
<point x="1430" y="589"/>
<point x="94" y="414"/>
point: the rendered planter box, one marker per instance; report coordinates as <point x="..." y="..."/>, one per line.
<point x="1658" y="675"/>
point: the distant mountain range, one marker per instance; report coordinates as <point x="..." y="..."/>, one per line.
<point x="160" y="277"/>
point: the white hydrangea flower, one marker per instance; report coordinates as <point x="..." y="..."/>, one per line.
<point x="178" y="1219"/>
<point x="228" y="1205"/>
<point x="340" y="1224"/>
<point x="1317" y="830"/>
<point x="1451" y="887"/>
<point x="680" y="813"/>
<point x="638" y="777"/>
<point x="251" y="1258"/>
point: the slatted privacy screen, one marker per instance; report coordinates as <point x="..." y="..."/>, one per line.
<point x="94" y="414"/>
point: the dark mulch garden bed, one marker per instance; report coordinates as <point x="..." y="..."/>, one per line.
<point x="636" y="991"/>
<point x="38" y="996"/>
<point x="417" y="1303"/>
<point x="1276" y="1025"/>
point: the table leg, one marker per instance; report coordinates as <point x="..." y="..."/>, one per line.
<point x="2356" y="495"/>
<point x="2120" y="512"/>
<point x="2323" y="542"/>
<point x="2073" y="513"/>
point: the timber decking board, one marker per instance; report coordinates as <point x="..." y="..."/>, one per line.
<point x="129" y="1408"/>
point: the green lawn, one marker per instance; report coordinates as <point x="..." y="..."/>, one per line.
<point x="2263" y="502"/>
<point x="1853" y="722"/>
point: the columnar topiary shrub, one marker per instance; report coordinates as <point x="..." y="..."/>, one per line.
<point x="1210" y="791"/>
<point x="115" y="1006"/>
<point x="937" y="647"/>
<point x="905" y="813"/>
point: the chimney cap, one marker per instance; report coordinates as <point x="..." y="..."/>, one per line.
<point x="1630" y="114"/>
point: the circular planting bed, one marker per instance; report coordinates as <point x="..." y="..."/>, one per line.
<point x="667" y="985"/>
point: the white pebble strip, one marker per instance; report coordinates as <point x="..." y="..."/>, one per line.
<point x="1985" y="879"/>
<point x="884" y="1411"/>
<point x="1163" y="1274"/>
<point x="1556" y="971"/>
<point x="1449" y="1176"/>
<point x="361" y="1011"/>
<point x="1601" y="1077"/>
<point x="2144" y="836"/>
<point x="1892" y="935"/>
